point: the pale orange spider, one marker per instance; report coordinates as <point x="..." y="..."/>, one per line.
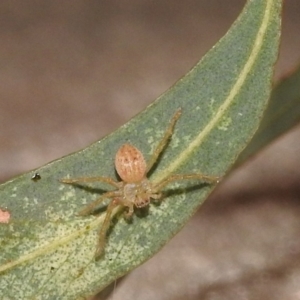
<point x="135" y="190"/>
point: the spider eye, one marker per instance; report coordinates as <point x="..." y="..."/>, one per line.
<point x="130" y="164"/>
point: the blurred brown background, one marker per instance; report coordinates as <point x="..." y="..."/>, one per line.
<point x="73" y="71"/>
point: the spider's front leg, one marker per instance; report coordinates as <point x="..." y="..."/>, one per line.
<point x="107" y="180"/>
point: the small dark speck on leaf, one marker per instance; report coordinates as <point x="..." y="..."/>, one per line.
<point x="36" y="177"/>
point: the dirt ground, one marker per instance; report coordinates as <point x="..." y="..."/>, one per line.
<point x="73" y="71"/>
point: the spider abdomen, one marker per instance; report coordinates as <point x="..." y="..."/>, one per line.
<point x="130" y="164"/>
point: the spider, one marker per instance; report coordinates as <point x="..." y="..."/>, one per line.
<point x="135" y="189"/>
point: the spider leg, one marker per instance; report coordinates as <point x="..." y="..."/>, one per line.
<point x="168" y="133"/>
<point x="90" y="207"/>
<point x="176" y="177"/>
<point x="102" y="233"/>
<point x="91" y="179"/>
<point x="105" y="226"/>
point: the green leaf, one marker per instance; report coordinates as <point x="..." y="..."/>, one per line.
<point x="282" y="113"/>
<point x="47" y="252"/>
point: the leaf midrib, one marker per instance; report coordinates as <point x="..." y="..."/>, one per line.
<point x="184" y="155"/>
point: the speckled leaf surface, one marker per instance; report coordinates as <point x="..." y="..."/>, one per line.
<point x="282" y="113"/>
<point x="47" y="252"/>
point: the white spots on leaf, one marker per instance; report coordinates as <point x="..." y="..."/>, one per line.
<point x="50" y="214"/>
<point x="61" y="187"/>
<point x="148" y="131"/>
<point x="68" y="195"/>
<point x="225" y="123"/>
<point x="211" y="106"/>
<point x="187" y="138"/>
<point x="150" y="140"/>
<point x="26" y="202"/>
<point x="11" y="228"/>
<point x="175" y="142"/>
